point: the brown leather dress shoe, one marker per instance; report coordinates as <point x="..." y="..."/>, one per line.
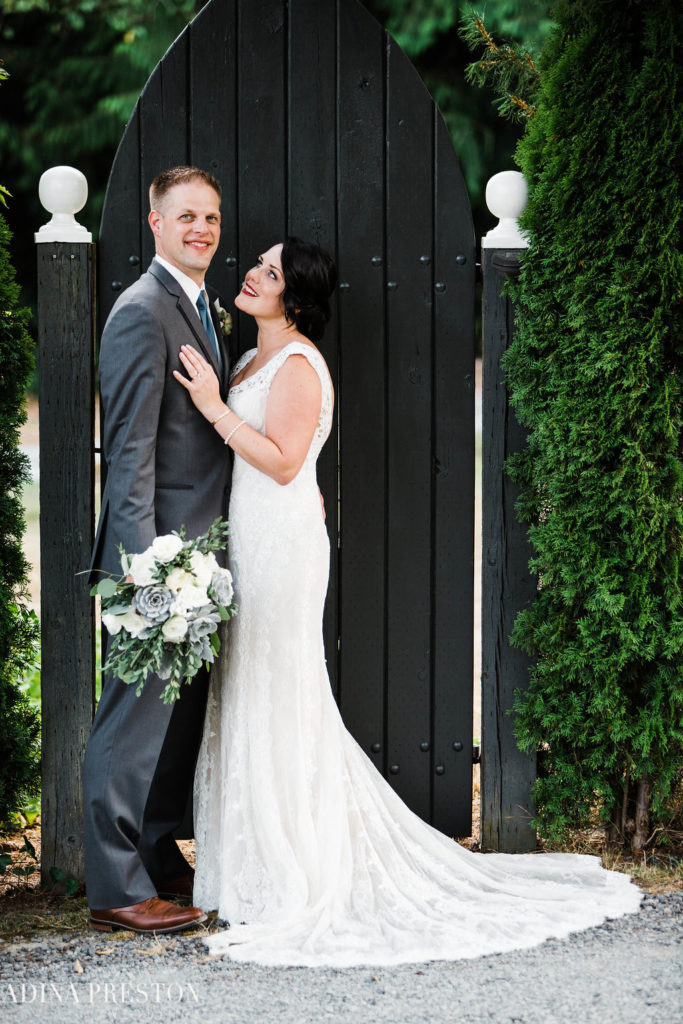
<point x="177" y="888"/>
<point x="152" y="915"/>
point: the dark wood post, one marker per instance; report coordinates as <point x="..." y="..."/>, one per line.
<point x="67" y="378"/>
<point x="507" y="774"/>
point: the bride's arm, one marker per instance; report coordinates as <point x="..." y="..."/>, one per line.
<point x="292" y="414"/>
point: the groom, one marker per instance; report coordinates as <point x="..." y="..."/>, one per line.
<point x="166" y="467"/>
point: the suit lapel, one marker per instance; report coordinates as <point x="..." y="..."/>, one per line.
<point x="195" y="325"/>
<point x="189" y="314"/>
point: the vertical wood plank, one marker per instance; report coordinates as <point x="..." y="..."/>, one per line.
<point x="65" y="339"/>
<point x="453" y="537"/>
<point x="164" y="126"/>
<point x="262" y="133"/>
<point x="311" y="142"/>
<point x="410" y="242"/>
<point x="119" y="250"/>
<point x="312" y="214"/>
<point x="212" y="120"/>
<point x="362" y="385"/>
<point x="507" y="774"/>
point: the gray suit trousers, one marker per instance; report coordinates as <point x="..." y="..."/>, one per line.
<point x="137" y="781"/>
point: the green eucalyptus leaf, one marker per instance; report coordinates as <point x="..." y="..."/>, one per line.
<point x="106" y="588"/>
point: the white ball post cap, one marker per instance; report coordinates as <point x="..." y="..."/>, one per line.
<point x="63" y="192"/>
<point x="506" y="197"/>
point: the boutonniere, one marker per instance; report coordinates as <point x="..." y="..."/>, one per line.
<point x="224" y="317"/>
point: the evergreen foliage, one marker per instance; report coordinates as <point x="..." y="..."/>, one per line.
<point x="595" y="373"/>
<point x="508" y="67"/>
<point x="19" y="722"/>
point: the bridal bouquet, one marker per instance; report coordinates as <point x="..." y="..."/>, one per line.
<point x="166" y="620"/>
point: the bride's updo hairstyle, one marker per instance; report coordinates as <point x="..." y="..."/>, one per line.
<point x="310" y="276"/>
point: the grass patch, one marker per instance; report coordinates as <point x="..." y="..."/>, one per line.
<point x="26" y="911"/>
<point x="656" y="873"/>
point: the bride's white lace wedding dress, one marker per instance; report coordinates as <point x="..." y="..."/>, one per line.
<point x="301" y="844"/>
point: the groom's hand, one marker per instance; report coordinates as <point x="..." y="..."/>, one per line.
<point x="322" y="505"/>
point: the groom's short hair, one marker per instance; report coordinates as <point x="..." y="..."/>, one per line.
<point x="164" y="182"/>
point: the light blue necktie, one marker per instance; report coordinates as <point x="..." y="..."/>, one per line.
<point x="208" y="326"/>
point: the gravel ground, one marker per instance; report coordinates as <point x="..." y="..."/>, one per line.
<point x="625" y="971"/>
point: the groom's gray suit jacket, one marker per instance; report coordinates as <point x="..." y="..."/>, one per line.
<point x="166" y="467"/>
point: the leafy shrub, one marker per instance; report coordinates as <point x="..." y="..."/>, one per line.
<point x="19" y="722"/>
<point x="595" y="374"/>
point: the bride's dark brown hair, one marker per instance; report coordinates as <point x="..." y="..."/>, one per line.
<point x="310" y="276"/>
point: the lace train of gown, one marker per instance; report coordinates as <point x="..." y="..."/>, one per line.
<point x="298" y="835"/>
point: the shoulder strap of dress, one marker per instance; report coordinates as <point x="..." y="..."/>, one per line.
<point x="297" y="348"/>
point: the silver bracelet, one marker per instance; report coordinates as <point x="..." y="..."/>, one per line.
<point x="234" y="429"/>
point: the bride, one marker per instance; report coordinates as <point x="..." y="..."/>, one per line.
<point x="301" y="845"/>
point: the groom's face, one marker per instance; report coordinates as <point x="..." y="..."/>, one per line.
<point x="187" y="227"/>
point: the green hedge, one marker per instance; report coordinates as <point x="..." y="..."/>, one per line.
<point x="19" y="721"/>
<point x="595" y="374"/>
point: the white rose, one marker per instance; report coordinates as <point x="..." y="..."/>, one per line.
<point x="130" y="621"/>
<point x="175" y="628"/>
<point x="203" y="567"/>
<point x="188" y="594"/>
<point x="167" y="547"/>
<point x="112" y="623"/>
<point x="142" y="568"/>
<point x="191" y="597"/>
<point x="179" y="578"/>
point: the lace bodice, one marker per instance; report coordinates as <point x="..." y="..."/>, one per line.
<point x="249" y="398"/>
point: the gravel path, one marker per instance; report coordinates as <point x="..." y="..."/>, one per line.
<point x="625" y="971"/>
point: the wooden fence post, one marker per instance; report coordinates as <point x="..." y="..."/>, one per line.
<point x="507" y="774"/>
<point x="66" y="264"/>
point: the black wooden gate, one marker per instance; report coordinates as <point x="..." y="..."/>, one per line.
<point x="316" y="124"/>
